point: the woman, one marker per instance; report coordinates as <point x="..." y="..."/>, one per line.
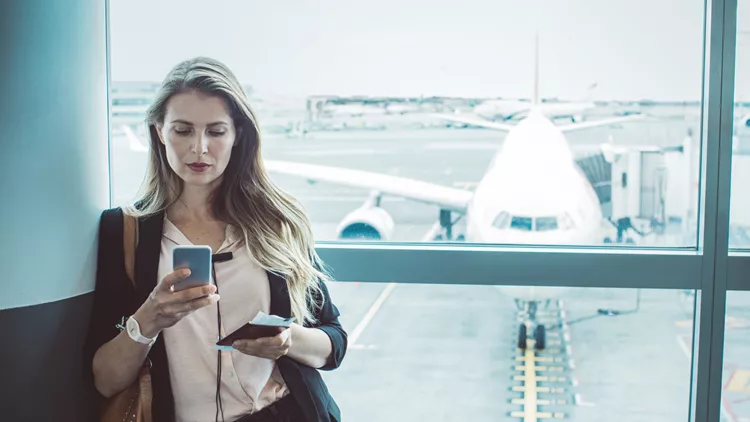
<point x="206" y="185"/>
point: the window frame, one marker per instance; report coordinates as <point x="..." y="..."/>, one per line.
<point x="738" y="271"/>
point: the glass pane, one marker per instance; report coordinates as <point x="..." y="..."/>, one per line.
<point x="736" y="381"/>
<point x="739" y="234"/>
<point x="450" y="352"/>
<point x="424" y="120"/>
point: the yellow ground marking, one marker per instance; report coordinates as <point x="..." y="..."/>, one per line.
<point x="540" y="368"/>
<point x="530" y="368"/>
<point x="550" y="351"/>
<point x="541" y="402"/>
<point x="531" y="394"/>
<point x="542" y="359"/>
<point x="740" y="382"/>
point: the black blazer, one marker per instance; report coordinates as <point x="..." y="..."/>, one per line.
<point x="115" y="299"/>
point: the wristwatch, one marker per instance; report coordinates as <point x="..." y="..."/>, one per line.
<point x="134" y="332"/>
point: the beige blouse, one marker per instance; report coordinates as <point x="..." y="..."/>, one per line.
<point x="248" y="383"/>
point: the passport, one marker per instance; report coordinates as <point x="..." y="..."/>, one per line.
<point x="263" y="325"/>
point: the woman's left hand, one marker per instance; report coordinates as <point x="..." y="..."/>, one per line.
<point x="266" y="347"/>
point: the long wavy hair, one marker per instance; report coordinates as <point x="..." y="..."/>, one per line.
<point x="276" y="230"/>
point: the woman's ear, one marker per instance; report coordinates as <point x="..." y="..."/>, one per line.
<point x="158" y="133"/>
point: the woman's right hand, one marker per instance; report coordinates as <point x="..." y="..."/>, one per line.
<point x="165" y="307"/>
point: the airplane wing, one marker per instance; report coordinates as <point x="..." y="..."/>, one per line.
<point x="445" y="197"/>
<point x="474" y="121"/>
<point x="599" y="123"/>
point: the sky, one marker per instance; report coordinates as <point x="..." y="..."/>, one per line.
<point x="631" y="49"/>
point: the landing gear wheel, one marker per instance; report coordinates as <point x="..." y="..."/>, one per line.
<point x="539" y="337"/>
<point x="522" y="336"/>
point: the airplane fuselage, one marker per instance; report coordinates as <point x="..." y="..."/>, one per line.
<point x="534" y="193"/>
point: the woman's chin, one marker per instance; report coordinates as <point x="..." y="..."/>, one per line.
<point x="200" y="180"/>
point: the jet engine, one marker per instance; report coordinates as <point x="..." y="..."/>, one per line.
<point x="366" y="223"/>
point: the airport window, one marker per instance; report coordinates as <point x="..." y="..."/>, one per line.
<point x="324" y="120"/>
<point x="402" y="137"/>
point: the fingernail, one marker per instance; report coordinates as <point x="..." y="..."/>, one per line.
<point x="186" y="272"/>
<point x="214" y="297"/>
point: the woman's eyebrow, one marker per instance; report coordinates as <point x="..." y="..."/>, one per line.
<point x="185" y="122"/>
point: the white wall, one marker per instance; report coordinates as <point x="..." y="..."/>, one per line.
<point x="54" y="177"/>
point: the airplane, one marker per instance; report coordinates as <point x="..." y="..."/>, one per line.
<point x="534" y="192"/>
<point x="512" y="110"/>
<point x="516" y="201"/>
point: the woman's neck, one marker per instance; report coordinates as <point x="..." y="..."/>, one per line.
<point x="192" y="205"/>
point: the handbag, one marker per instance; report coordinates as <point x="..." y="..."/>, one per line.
<point x="134" y="403"/>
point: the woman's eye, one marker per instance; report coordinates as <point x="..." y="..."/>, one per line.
<point x="214" y="133"/>
<point x="182" y="131"/>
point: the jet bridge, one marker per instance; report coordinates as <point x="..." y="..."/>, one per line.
<point x="645" y="185"/>
<point x="644" y="188"/>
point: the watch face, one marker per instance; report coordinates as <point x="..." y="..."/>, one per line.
<point x="132" y="327"/>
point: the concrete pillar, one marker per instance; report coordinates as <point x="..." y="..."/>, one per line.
<point x="54" y="183"/>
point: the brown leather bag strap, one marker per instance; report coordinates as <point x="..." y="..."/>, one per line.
<point x="130" y="242"/>
<point x="144" y="379"/>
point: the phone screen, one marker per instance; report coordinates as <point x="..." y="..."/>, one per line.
<point x="198" y="260"/>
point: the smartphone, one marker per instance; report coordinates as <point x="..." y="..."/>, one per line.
<point x="198" y="259"/>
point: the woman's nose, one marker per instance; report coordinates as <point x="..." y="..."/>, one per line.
<point x="201" y="146"/>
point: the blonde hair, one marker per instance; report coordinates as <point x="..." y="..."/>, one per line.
<point x="276" y="230"/>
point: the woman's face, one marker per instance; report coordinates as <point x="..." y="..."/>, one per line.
<point x="198" y="134"/>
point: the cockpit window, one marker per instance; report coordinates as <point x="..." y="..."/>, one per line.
<point x="521" y="223"/>
<point x="539" y="224"/>
<point x="501" y="221"/>
<point x="546" y="223"/>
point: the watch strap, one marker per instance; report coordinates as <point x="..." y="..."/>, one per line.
<point x="136" y="334"/>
